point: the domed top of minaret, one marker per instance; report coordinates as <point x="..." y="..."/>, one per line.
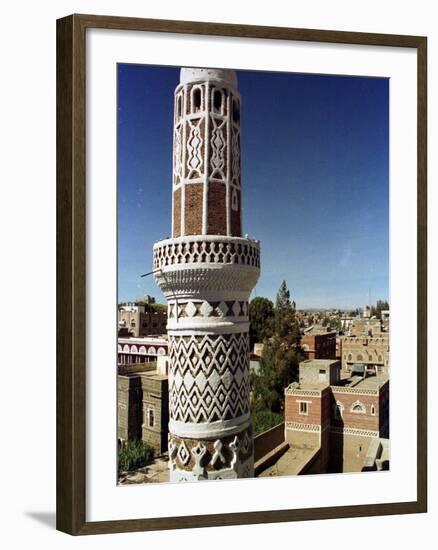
<point x="193" y="74"/>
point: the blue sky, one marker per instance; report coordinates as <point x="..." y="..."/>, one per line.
<point x="315" y="181"/>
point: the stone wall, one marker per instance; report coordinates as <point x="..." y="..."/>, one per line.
<point x="155" y="411"/>
<point x="267" y="441"/>
<point x="129" y="411"/>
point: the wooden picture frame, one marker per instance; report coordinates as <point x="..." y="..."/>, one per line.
<point x="71" y="273"/>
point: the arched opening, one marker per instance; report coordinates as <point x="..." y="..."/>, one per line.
<point x="217" y="101"/>
<point x="236" y="112"/>
<point x="358" y="407"/>
<point x="196" y="100"/>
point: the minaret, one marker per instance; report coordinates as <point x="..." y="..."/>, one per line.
<point x="207" y="271"/>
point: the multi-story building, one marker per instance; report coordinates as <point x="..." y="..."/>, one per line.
<point x="344" y="419"/>
<point x="366" y="327"/>
<point x="143" y="404"/>
<point x="371" y="351"/>
<point x="137" y="319"/>
<point x="141" y="350"/>
<point x="317" y="343"/>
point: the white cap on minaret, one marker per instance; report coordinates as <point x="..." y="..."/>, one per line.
<point x="189" y="75"/>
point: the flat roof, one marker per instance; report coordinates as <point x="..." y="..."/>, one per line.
<point x="292" y="461"/>
<point x="143" y="340"/>
<point x="368" y="383"/>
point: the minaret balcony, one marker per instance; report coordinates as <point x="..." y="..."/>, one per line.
<point x="214" y="264"/>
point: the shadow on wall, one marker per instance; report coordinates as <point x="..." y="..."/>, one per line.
<point x="336" y="448"/>
<point x="45" y="518"/>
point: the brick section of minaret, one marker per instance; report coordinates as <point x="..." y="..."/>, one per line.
<point x="193" y="208"/>
<point x="235" y="219"/>
<point x="217" y="211"/>
<point x="177" y="213"/>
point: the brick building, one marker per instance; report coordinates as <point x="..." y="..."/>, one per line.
<point x="344" y="418"/>
<point x="139" y="319"/>
<point x="366" y="327"/>
<point x="372" y="351"/>
<point x="317" y="343"/>
<point x="143" y="405"/>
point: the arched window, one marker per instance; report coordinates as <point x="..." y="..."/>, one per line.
<point x="358" y="407"/>
<point x="234" y="200"/>
<point x="151" y="418"/>
<point x="359" y="357"/>
<point x="350" y="357"/>
<point x="373" y="410"/>
<point x="217" y="101"/>
<point x="236" y="112"/>
<point x="196" y="100"/>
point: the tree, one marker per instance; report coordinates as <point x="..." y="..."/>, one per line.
<point x="335" y="323"/>
<point x="278" y="368"/>
<point x="378" y="308"/>
<point x="261" y="317"/>
<point x="264" y="420"/>
<point x="281" y="356"/>
<point x="286" y="325"/>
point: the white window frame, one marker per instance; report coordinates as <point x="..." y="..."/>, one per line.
<point x="306" y="403"/>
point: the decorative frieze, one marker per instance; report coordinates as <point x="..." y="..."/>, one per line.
<point x="298" y="426"/>
<point x="180" y="309"/>
<point x="302" y="393"/>
<point x="356" y="391"/>
<point x="224" y="458"/>
<point x="206" y="250"/>
<point x="354" y="431"/>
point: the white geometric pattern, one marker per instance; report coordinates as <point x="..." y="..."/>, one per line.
<point x="189" y="250"/>
<point x="235" y="151"/>
<point x="194" y="147"/>
<point x="209" y="377"/>
<point x="218" y="144"/>
<point x="223" y="309"/>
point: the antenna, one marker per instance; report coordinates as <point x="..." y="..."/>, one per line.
<point x="150" y="272"/>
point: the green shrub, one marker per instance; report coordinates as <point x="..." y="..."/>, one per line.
<point x="134" y="454"/>
<point x="264" y="420"/>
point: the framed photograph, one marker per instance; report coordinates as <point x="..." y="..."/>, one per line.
<point x="241" y="274"/>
